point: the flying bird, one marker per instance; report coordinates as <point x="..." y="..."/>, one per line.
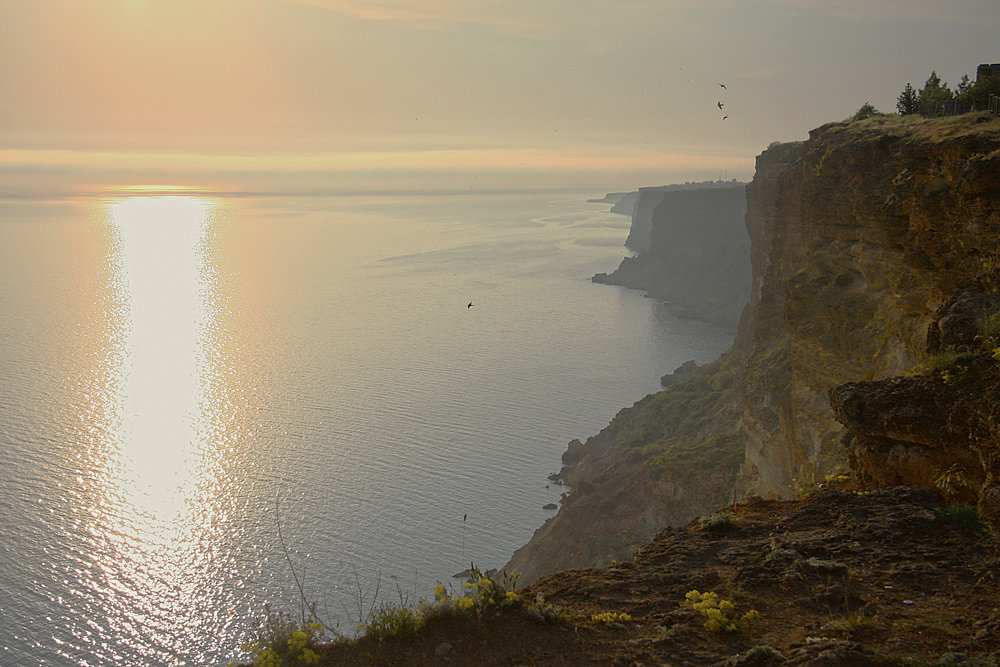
<point x="723" y="85"/>
<point x="470" y="305"/>
<point x="725" y="117"/>
<point x="720" y="105"/>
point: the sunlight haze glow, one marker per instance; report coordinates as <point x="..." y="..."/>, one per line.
<point x="339" y="95"/>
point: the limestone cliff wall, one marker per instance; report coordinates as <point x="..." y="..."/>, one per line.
<point x="643" y="205"/>
<point x="693" y="250"/>
<point x="858" y="235"/>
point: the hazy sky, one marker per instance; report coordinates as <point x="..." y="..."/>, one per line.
<point x="341" y="94"/>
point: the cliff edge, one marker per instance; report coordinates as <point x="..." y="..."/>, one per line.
<point x="857" y="236"/>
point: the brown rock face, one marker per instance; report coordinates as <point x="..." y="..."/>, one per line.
<point x="940" y="429"/>
<point x="857" y="235"/>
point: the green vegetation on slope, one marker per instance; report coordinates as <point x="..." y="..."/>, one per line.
<point x="692" y="429"/>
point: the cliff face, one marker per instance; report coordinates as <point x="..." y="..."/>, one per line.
<point x="858" y="235"/>
<point x="939" y="428"/>
<point x="693" y="250"/>
<point x="643" y="206"/>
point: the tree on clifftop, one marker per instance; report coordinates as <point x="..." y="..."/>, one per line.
<point x="908" y="102"/>
<point x="936" y="99"/>
<point x="972" y="96"/>
<point x="934" y="96"/>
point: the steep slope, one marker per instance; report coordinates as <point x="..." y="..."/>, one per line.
<point x="858" y="235"/>
<point x="672" y="456"/>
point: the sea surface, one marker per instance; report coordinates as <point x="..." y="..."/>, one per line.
<point x="203" y="399"/>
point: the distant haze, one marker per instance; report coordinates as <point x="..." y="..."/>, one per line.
<point x="338" y="95"/>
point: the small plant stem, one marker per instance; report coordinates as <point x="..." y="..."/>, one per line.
<point x="302" y="593"/>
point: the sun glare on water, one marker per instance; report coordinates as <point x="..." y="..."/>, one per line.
<point x="161" y="459"/>
<point x="164" y="315"/>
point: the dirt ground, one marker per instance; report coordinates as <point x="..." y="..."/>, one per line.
<point x="837" y="578"/>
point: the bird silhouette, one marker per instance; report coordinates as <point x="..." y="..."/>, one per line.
<point x="720" y="105"/>
<point x="470" y="305"/>
<point x="723" y="86"/>
<point x="725" y="117"/>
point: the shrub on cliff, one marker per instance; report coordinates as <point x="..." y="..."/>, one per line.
<point x="966" y="517"/>
<point x="280" y="641"/>
<point x="720" y="614"/>
<point x="867" y="110"/>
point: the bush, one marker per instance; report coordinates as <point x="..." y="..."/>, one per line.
<point x="392" y="622"/>
<point x="850" y="623"/>
<point x="282" y="642"/>
<point x="824" y="566"/>
<point x="865" y="111"/>
<point x="613" y="618"/>
<point x="949" y="367"/>
<point x="762" y="656"/>
<point x="966" y="517"/>
<point x="480" y="593"/>
<point x="720" y="614"/>
<point x="716" y="522"/>
<point x="484" y="591"/>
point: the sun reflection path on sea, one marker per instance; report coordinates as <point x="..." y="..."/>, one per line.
<point x="159" y="488"/>
<point x="161" y="385"/>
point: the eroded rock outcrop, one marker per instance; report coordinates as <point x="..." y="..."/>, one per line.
<point x="939" y="429"/>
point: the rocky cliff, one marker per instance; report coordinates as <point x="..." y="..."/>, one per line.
<point x="940" y="427"/>
<point x="672" y="456"/>
<point x="693" y="249"/>
<point x="858" y="236"/>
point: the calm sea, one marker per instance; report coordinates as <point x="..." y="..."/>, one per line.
<point x="192" y="387"/>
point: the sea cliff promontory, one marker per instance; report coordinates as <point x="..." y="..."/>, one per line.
<point x="692" y="249"/>
<point x="858" y="235"/>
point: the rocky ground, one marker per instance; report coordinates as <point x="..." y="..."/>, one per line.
<point x="836" y="578"/>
